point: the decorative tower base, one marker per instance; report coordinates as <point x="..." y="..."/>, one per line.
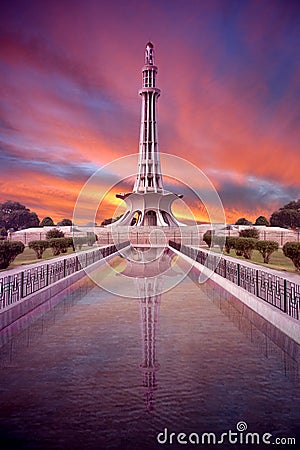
<point x="148" y="204"/>
<point x="150" y="209"/>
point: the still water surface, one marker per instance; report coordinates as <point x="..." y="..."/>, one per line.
<point x="101" y="371"/>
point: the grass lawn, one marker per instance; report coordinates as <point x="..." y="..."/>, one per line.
<point x="29" y="257"/>
<point x="277" y="260"/>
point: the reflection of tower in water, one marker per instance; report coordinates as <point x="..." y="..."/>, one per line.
<point x="149" y="310"/>
<point x="148" y="267"/>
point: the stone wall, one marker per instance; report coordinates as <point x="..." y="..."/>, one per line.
<point x="156" y="235"/>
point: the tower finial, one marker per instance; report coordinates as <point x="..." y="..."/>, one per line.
<point x="149" y="54"/>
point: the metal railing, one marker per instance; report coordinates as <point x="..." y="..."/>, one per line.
<point x="15" y="287"/>
<point x="278" y="291"/>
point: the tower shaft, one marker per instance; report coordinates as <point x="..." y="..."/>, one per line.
<point x="149" y="177"/>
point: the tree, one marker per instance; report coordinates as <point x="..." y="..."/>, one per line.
<point x="47" y="222"/>
<point x="79" y="241"/>
<point x="207" y="237"/>
<point x="292" y="250"/>
<point x="3" y="233"/>
<point x="266" y="248"/>
<point x="70" y="243"/>
<point x="54" y="233"/>
<point x="65" y="223"/>
<point x="15" y="216"/>
<point x="39" y="247"/>
<point x="211" y="239"/>
<point x="245" y="246"/>
<point x="58" y="245"/>
<point x="249" y="233"/>
<point x="288" y="216"/>
<point x="91" y="238"/>
<point x="9" y="251"/>
<point x="262" y="221"/>
<point x="110" y="220"/>
<point x="243" y="221"/>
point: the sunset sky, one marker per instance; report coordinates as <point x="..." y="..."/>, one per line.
<point x="229" y="72"/>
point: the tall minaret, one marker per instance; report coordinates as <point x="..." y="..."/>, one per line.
<point x="149" y="178"/>
<point x="148" y="204"/>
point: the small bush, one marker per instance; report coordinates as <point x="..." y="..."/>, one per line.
<point x="249" y="233"/>
<point x="9" y="251"/>
<point x="244" y="246"/>
<point x="292" y="250"/>
<point x="39" y="247"/>
<point x="54" y="233"/>
<point x="266" y="248"/>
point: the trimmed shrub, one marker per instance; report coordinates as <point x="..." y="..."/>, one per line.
<point x="249" y="233"/>
<point x="230" y="243"/>
<point x="54" y="233"/>
<point x="58" y="245"/>
<point x="292" y="250"/>
<point x="266" y="248"/>
<point x="39" y="247"/>
<point x="9" y="251"/>
<point x="244" y="246"/>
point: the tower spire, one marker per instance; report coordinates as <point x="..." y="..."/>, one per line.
<point x="149" y="178"/>
<point x="149" y="54"/>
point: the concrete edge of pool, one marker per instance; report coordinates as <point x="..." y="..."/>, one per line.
<point x="15" y="311"/>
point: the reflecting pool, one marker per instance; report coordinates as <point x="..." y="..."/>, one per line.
<point x="103" y="371"/>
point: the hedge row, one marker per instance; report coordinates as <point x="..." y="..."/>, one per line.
<point x="10" y="249"/>
<point x="61" y="244"/>
<point x="244" y="246"/>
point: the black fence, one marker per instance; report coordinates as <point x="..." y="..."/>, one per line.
<point x="14" y="288"/>
<point x="278" y="291"/>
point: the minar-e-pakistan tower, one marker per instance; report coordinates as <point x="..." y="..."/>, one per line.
<point x="148" y="204"/>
